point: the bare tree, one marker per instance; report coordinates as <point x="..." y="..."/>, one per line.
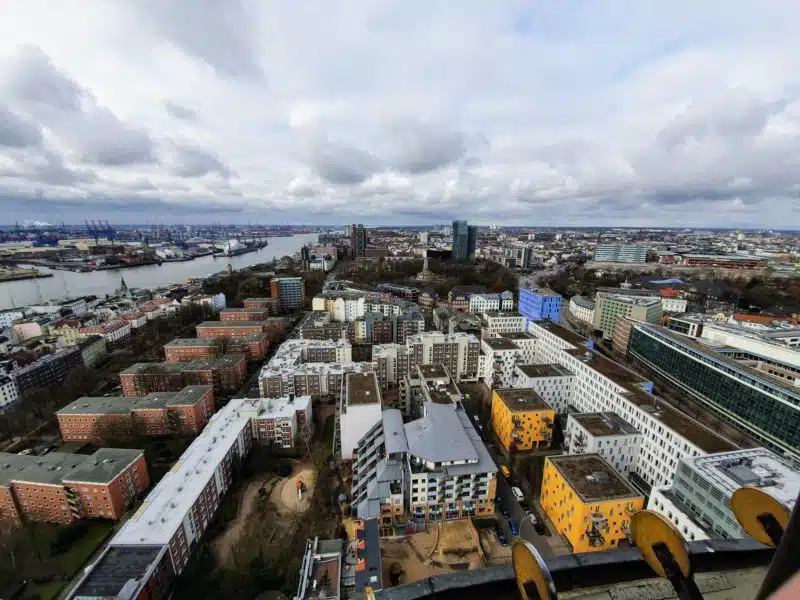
<point x="305" y="435"/>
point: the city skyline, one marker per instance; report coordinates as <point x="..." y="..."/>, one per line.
<point x="416" y="112"/>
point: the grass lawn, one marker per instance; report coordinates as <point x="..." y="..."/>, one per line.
<point x="42" y="591"/>
<point x="73" y="559"/>
<point x="327" y="433"/>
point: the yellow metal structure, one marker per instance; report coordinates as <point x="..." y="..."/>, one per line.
<point x="521" y="424"/>
<point x="533" y="577"/>
<point x="649" y="529"/>
<point x="588" y="525"/>
<point x="749" y="504"/>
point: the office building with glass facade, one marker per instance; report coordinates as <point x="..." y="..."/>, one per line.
<point x="765" y="407"/>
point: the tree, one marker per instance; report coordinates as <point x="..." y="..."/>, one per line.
<point x="305" y="435"/>
<point x="119" y="432"/>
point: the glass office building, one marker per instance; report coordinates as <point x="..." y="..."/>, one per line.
<point x="765" y="407"/>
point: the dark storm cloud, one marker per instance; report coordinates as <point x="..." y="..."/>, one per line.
<point x="180" y="112"/>
<point x="16" y="132"/>
<point x="35" y="85"/>
<point x="192" y="161"/>
<point x="220" y="33"/>
<point x="44" y="167"/>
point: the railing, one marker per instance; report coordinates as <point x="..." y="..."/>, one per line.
<point x="572" y="572"/>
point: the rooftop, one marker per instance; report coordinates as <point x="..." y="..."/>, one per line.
<point x="165" y="507"/>
<point x="205" y="364"/>
<point x="214" y="324"/>
<point x="633" y="386"/>
<point x="583" y="302"/>
<point x="498" y="343"/>
<point x="517" y="335"/>
<point x="243" y="310"/>
<point x="436" y="371"/>
<point x="603" y="424"/>
<point x="756" y="467"/>
<point x="565" y="334"/>
<point x="56" y="467"/>
<point x="522" y="399"/>
<point x="362" y="388"/>
<point x="94" y="405"/>
<point x="544" y="292"/>
<point x="117" y="567"/>
<point x="592" y="478"/>
<point x="551" y="370"/>
<point x="632" y="300"/>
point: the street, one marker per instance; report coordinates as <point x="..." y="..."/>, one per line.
<point x="516" y="512"/>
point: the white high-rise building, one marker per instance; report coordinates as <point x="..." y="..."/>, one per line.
<point x="601" y="385"/>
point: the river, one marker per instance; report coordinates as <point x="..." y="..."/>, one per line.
<point x="100" y="283"/>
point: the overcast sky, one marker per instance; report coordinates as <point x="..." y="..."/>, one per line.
<point x="498" y="111"/>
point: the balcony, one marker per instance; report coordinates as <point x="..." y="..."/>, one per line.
<point x="630" y="509"/>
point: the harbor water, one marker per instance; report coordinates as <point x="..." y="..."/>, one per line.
<point x="100" y="283"/>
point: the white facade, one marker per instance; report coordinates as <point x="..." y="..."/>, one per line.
<point x="170" y="514"/>
<point x="481" y="303"/>
<point x="553" y="383"/>
<point x="674" y="305"/>
<point x="278" y="421"/>
<point x="136" y="320"/>
<point x="116" y="331"/>
<point x="360" y="410"/>
<point x="606" y="434"/>
<point x="704" y="485"/>
<point x="603" y="386"/>
<point x="752" y="341"/>
<point x="662" y="503"/>
<point x="93" y="351"/>
<point x="496" y="323"/>
<point x="582" y="309"/>
<point x="322" y="264"/>
<point x="9" y="392"/>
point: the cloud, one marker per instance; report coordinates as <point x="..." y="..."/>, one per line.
<point x="192" y="161"/>
<point x="35" y="85"/>
<point x="180" y="112"/>
<point x="507" y="112"/>
<point x="16" y="132"/>
<point x="218" y="33"/>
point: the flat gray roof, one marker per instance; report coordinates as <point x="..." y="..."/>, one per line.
<point x="551" y="370"/>
<point x="94" y="405"/>
<point x="55" y="468"/>
<point x="604" y="424"/>
<point x="499" y="343"/>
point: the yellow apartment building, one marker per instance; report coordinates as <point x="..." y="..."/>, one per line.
<point x="588" y="501"/>
<point x="521" y="419"/>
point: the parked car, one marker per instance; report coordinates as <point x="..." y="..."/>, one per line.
<point x="513" y="527"/>
<point x="504" y="470"/>
<point x="518" y="495"/>
<point x="476" y="419"/>
<point x="501" y="536"/>
<point x="531" y="517"/>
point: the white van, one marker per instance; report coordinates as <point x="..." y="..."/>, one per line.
<point x="518" y="495"/>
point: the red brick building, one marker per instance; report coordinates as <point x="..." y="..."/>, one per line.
<point x="243" y="314"/>
<point x="272" y="326"/>
<point x="185" y="349"/>
<point x="272" y="305"/>
<point x="62" y="488"/>
<point x="162" y="413"/>
<point x="226" y="373"/>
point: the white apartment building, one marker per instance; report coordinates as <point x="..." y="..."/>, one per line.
<point x="278" y="421"/>
<point x="601" y="385"/>
<point x="9" y="392"/>
<point x="178" y="510"/>
<point x="360" y="410"/>
<point x="500" y="356"/>
<point x="582" y="308"/>
<point x="674" y="305"/>
<point x="481" y="303"/>
<point x="698" y="502"/>
<point x="606" y="434"/>
<point x="757" y="342"/>
<point x="495" y="323"/>
<point x="431" y="469"/>
<point x="552" y="382"/>
<point x="215" y="302"/>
